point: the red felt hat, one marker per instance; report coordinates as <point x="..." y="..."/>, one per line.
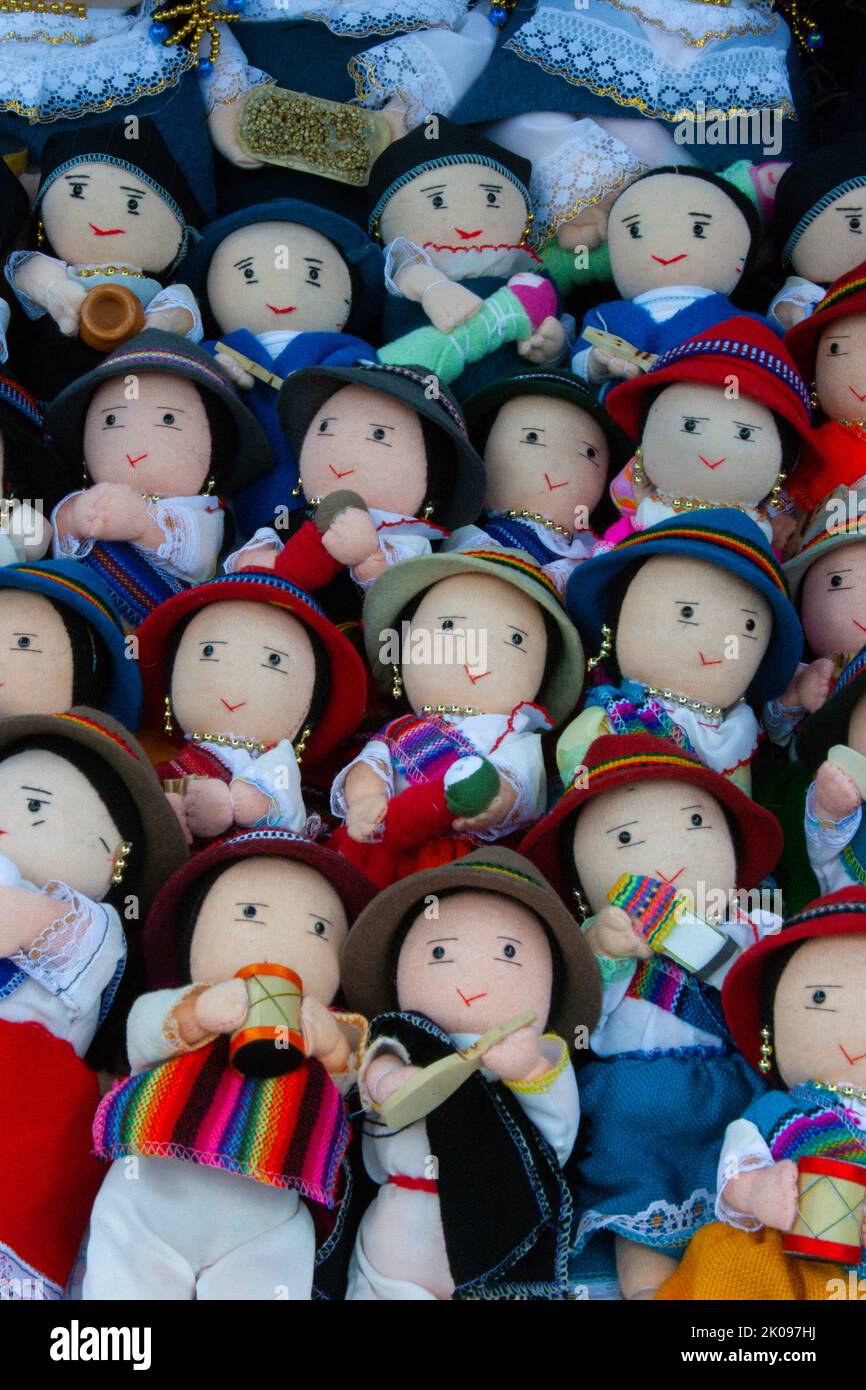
<point x="846" y="296"/>
<point x="742" y="347"/>
<point x="346" y="697"/>
<point x="842" y="913"/>
<point x="160" y="929"/>
<point x="619" y="760"/>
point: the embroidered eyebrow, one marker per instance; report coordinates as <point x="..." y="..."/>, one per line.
<point x="510" y="938"/>
<point x="109" y="408"/>
<point x="753" y="611"/>
<point x="239" y="265"/>
<point x="248" y="902"/>
<point x="107" y="845"/>
<point x="139" y="192"/>
<point x="696" y="417"/>
<point x="278" y="650"/>
<point x="213" y="642"/>
<point x="313" y="260"/>
<point x="76" y="178"/>
<point x="443" y="616"/>
<point x="320" y="917"/>
<point x="693" y="601"/>
<point x="632" y="217"/>
<point x="494" y="187"/>
<point x="43" y="790"/>
<point x="851" y="209"/>
<point x="747" y="425"/>
<point x="694" y="805"/>
<point x="25" y="634"/>
<point x="433" y="939"/>
<point x="823" y="986"/>
<point x="515" y="628"/>
<point x="375" y="425"/>
<point x="176" y="408"/>
<point x="539" y="429"/>
<point x="621" y="827"/>
<point x="707" y="215"/>
<point x="832" y="571"/>
<point x="434" y="187"/>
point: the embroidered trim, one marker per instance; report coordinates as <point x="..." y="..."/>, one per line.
<point x="815" y="211"/>
<point x="748" y="26"/>
<point x="659" y="1224"/>
<point x="443" y="162"/>
<point x="171" y="1028"/>
<point x="747" y="352"/>
<point x="540" y="1084"/>
<point x="16" y="1274"/>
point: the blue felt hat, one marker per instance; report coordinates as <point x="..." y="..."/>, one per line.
<point x="362" y="256"/>
<point x="72" y="585"/>
<point x="722" y="536"/>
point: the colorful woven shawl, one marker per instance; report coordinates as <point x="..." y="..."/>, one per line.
<point x="807" y="1125"/>
<point x="516" y="535"/>
<point x="423" y="747"/>
<point x="669" y="987"/>
<point x="137" y="585"/>
<point x="288" y="1131"/>
<point x="631" y="711"/>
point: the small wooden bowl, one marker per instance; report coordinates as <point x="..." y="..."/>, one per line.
<point x="109" y="315"/>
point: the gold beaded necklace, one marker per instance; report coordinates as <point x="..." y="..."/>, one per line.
<point x="86" y="271"/>
<point x="847" y="1092"/>
<point x="521" y="514"/>
<point x="250" y="745"/>
<point x="699" y="706"/>
<point x="449" y="709"/>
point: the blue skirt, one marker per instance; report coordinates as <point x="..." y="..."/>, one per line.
<point x="655" y="1123"/>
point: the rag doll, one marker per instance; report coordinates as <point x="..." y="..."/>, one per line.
<point x="386" y="463"/>
<point x="466" y="1224"/>
<point x="741" y="447"/>
<point x="697" y="619"/>
<point x="680" y="240"/>
<point x="242" y="734"/>
<point x="110" y="210"/>
<point x="788" y="1224"/>
<point x="32" y="478"/>
<point x="829" y="348"/>
<point x="87" y="837"/>
<point x="465" y="764"/>
<point x="162" y="439"/>
<point x="283" y="285"/>
<point x="454" y="213"/>
<point x="665" y="1079"/>
<point x="233" y="1112"/>
<point x="818" y="221"/>
<point x="62" y="644"/>
<point x="549" y="449"/>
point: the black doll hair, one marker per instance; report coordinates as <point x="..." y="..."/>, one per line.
<point x="739" y="199"/>
<point x="788" y="436"/>
<point x="110" y="789"/>
<point x="775" y="969"/>
<point x="441" y="468"/>
<point x="321" y="682"/>
<point x="223" y="436"/>
<point x="91" y="664"/>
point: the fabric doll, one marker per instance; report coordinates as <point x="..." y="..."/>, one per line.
<point x="818" y="221"/>
<point x="699" y="633"/>
<point x="680" y="242"/>
<point x="87" y="834"/>
<point x="242" y="735"/>
<point x="817" y="1110"/>
<point x="62" y="644"/>
<point x="284" y="285"/>
<point x="549" y="449"/>
<point x="32" y="478"/>
<point x="387" y="463"/>
<point x="468" y="1225"/>
<point x="163" y="439"/>
<point x="454" y="213"/>
<point x="829" y="348"/>
<point x="229" y="1152"/>
<point x="111" y="211"/>
<point x="699" y="444"/>
<point x="664" y="1080"/>
<point x="465" y="764"/>
<point x="14" y="208"/>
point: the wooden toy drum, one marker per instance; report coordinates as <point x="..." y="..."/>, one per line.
<point x="109" y="315"/>
<point x="829" y="1211"/>
<point x="271" y="1042"/>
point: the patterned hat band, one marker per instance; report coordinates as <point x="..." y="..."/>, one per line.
<point x="840" y="294"/>
<point x="153" y="360"/>
<point x="814" y="914"/>
<point x="850" y="673"/>
<point x="73" y="588"/>
<point x="641" y="760"/>
<point x="719" y="539"/>
<point x="510" y="562"/>
<point x="503" y="870"/>
<point x="14" y="394"/>
<point x="815" y="211"/>
<point x="99" y="729"/>
<point x="746" y="352"/>
<point x="267" y="581"/>
<point x="850" y="527"/>
<point x="422" y="381"/>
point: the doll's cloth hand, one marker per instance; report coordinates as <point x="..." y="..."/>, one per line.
<point x="447" y="304"/>
<point x="178" y="805"/>
<point x="222" y="1008"/>
<point x="175" y="319"/>
<point x="235" y="372"/>
<point x="222" y="123"/>
<point x="789" y="313"/>
<point x="262" y="557"/>
<point x="250" y="804"/>
<point x="385" y="1075"/>
<point x="494" y="814"/>
<point x="589" y="229"/>
<point x="208" y="806"/>
<point x="770" y="1195"/>
<point x="62" y="300"/>
<point x="546" y="344"/>
<point x="364" y="816"/>
<point x="613" y="934"/>
<point x="812" y="684"/>
<point x="107" y="511"/>
<point x="323" y="1037"/>
<point x="836" y="795"/>
<point x="605" y="366"/>
<point x="784" y="528"/>
<point x="351" y="537"/>
<point x="517" y="1058"/>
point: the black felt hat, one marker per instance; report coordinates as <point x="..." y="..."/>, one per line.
<point x="810" y="184"/>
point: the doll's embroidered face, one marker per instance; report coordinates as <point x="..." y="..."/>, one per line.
<point x="840" y="368"/>
<point x="547" y="456"/>
<point x="671" y="831"/>
<point x="819" y="1013"/>
<point x="279" y="277"/>
<point x="372" y="444"/>
<point x="483" y="960"/>
<point x="99" y="214"/>
<point x="857" y="726"/>
<point x="671" y="229"/>
<point x="467" y="207"/>
<point x="36" y="665"/>
<point x="474" y="640"/>
<point x="691" y="626"/>
<point x="833" y="601"/>
<point x="272" y="911"/>
<point x="54" y="825"/>
<point x="835" y="241"/>
<point x="698" y="443"/>
<point x="244" y="669"/>
<point x="159" y="441"/>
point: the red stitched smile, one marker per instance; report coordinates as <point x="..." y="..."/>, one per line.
<point x="472" y="997"/>
<point x="467" y="236"/>
<point x="706" y="662"/>
<point x="670" y="880"/>
<point x="673" y="260"/>
<point x="133" y="461"/>
<point x="860" y="625"/>
<point x="106" y="231"/>
<point x="289" y="309"/>
<point x="337" y="474"/>
<point x="553" y="486"/>
<point x="475" y="679"/>
<point x="231" y="708"/>
<point x="860" y="398"/>
<point x="851" y="1060"/>
<point x="707" y="463"/>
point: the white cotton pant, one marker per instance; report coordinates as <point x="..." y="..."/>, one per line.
<point x="164" y="1229"/>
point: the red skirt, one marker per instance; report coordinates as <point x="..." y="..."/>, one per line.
<point x="49" y="1177"/>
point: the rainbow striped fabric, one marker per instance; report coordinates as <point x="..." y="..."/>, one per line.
<point x="657" y="906"/>
<point x="288" y="1131"/>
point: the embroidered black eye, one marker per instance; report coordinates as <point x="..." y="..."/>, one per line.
<point x="249" y="273"/>
<point x="697" y="820"/>
<point x="313" y="274"/>
<point x="591" y="452"/>
<point x="491" y="200"/>
<point x="447" y="624"/>
<point x="168" y="419"/>
<point x="111" y="419"/>
<point x="132" y="205"/>
<point x="532" y="436"/>
<point x="274" y="659"/>
<point x="320" y="929"/>
<point x="750" y="625"/>
<point x="744" y="432"/>
<point x="698" y="230"/>
<point x="24" y="643"/>
<point x="855" y="223"/>
<point x="33" y="805"/>
<point x="687" y="611"/>
<point x="516" y="639"/>
<point x="819" y="996"/>
<point x="509" y="950"/>
<point x="378" y="433"/>
<point x="207" y="649"/>
<point x="624" y="837"/>
<point x="690" y="426"/>
<point x="323" y="426"/>
<point x="634" y="231"/>
<point x="438" y="201"/>
<point x="77" y="190"/>
<point x="438" y="952"/>
<point x="250" y="910"/>
<point x="834" y="349"/>
<point x="836" y="581"/>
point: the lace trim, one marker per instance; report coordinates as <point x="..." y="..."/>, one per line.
<point x="229" y="80"/>
<point x="67" y="946"/>
<point x="362" y="16"/>
<point x="591" y="54"/>
<point x="660" y="1223"/>
<point x="20" y="1282"/>
<point x="577" y="175"/>
<point x="407" y="69"/>
<point x="690" y="22"/>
